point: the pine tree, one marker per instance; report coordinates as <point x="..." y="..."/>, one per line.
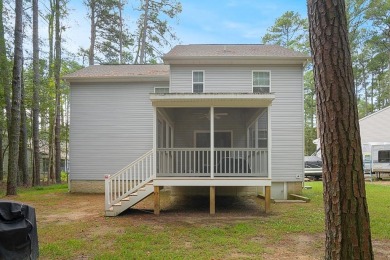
<point x="347" y="223"/>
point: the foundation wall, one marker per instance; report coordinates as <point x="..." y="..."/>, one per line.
<point x="279" y="190"/>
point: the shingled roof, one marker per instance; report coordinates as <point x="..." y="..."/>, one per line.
<point x="232" y="50"/>
<point x="120" y="72"/>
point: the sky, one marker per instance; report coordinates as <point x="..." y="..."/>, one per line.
<point x="201" y="21"/>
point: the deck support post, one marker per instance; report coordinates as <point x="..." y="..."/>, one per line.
<point x="156" y="200"/>
<point x="267" y="199"/>
<point x="212" y="200"/>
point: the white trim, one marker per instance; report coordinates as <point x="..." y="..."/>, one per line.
<point x="269" y="146"/>
<point x="154" y="141"/>
<point x="204" y="81"/>
<point x="212" y="99"/>
<point x="263" y="86"/>
<point x="212" y="142"/>
<point x="207" y="181"/>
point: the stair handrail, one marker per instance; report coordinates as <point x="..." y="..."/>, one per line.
<point x="129" y="179"/>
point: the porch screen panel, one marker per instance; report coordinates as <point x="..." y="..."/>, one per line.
<point x="262" y="138"/>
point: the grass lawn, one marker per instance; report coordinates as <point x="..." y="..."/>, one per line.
<point x="72" y="226"/>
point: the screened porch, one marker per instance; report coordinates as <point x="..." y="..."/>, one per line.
<point x="237" y="148"/>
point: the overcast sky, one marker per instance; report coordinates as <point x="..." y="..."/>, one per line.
<point x="201" y="21"/>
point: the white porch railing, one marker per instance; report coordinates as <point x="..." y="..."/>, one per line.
<point x="128" y="180"/>
<point x="232" y="162"/>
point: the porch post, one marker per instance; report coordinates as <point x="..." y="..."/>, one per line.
<point x="154" y="141"/>
<point x="156" y="200"/>
<point x="212" y="142"/>
<point x="212" y="200"/>
<point x="267" y="199"/>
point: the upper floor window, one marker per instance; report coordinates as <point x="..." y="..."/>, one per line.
<point x="161" y="90"/>
<point x="261" y="81"/>
<point x="197" y="81"/>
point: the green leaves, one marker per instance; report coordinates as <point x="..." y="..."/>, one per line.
<point x="154" y="32"/>
<point x="290" y="31"/>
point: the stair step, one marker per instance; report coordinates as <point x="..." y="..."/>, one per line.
<point x="134" y="194"/>
<point x="149" y="183"/>
<point x="118" y="204"/>
<point x="125" y="199"/>
<point x="142" y="189"/>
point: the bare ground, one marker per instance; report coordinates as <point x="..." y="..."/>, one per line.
<point x="187" y="211"/>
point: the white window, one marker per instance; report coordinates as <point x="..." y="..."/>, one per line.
<point x="160" y="90"/>
<point x="261" y="81"/>
<point x="197" y="81"/>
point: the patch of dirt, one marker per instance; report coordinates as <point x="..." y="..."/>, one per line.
<point x="381" y="182"/>
<point x="381" y="249"/>
<point x="296" y="246"/>
<point x="74" y="207"/>
<point x="184" y="211"/>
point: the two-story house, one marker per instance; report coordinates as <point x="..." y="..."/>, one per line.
<point x="220" y="118"/>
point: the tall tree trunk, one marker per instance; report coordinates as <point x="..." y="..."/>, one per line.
<point x="1" y="147"/>
<point x="57" y="70"/>
<point x="51" y="38"/>
<point x="91" y="54"/>
<point x="51" y="166"/>
<point x="347" y="222"/>
<point x="372" y="93"/>
<point x="4" y="82"/>
<point x="51" y="110"/>
<point x="143" y="33"/>
<point x="120" y="6"/>
<point x="23" y="157"/>
<point x="13" y="134"/>
<point x="35" y="107"/>
<point x="4" y="73"/>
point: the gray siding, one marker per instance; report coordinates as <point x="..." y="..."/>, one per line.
<point x="111" y="125"/>
<point x="287" y="123"/>
<point x="219" y="79"/>
<point x="375" y="127"/>
<point x="286" y="111"/>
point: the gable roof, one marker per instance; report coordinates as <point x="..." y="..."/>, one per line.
<point x="120" y="73"/>
<point x="375" y="127"/>
<point x="234" y="53"/>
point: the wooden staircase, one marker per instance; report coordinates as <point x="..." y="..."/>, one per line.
<point x="130" y="185"/>
<point x="131" y="200"/>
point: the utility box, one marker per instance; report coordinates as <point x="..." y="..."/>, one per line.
<point x="18" y="231"/>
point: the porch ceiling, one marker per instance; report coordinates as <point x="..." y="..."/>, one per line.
<point x="212" y="99"/>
